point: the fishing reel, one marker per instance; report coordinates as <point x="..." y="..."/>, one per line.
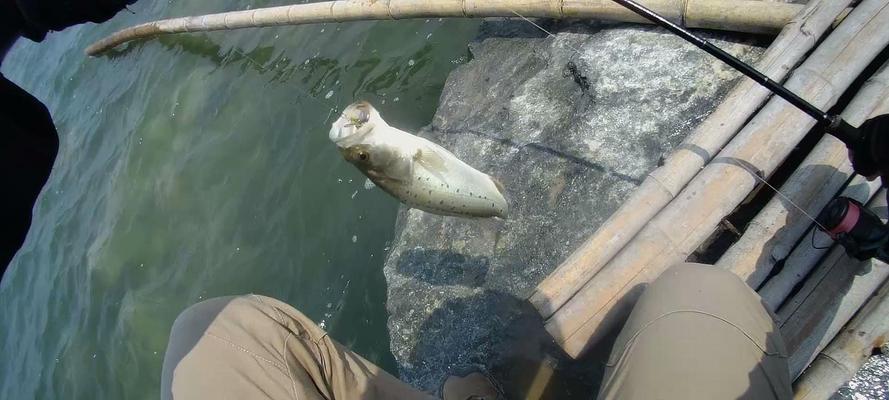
<point x="848" y="222"/>
<point x="856" y="228"/>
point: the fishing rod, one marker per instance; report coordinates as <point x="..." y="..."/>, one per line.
<point x="835" y="125"/>
<point x="853" y="226"/>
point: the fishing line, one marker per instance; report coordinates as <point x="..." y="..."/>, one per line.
<point x="778" y="192"/>
<point x="753" y="173"/>
<point x="544" y="30"/>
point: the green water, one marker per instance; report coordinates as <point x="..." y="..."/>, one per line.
<point x="199" y="166"/>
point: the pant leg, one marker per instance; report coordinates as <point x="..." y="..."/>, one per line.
<point x="256" y="347"/>
<point x="698" y="332"/>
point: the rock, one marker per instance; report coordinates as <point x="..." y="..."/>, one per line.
<point x="570" y="124"/>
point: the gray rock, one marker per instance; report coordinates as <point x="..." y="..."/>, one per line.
<point x="570" y="125"/>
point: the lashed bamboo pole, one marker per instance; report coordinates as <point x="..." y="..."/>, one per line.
<point x="846" y="353"/>
<point x="830" y="306"/>
<point x="771" y="235"/>
<point x="662" y="184"/>
<point x="735" y="15"/>
<point x="686" y="222"/>
<point x="838" y="288"/>
<point x="805" y="256"/>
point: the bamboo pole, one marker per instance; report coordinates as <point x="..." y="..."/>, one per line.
<point x="829" y="298"/>
<point x="685" y="223"/>
<point x="838" y="362"/>
<point x="735" y="15"/>
<point x="662" y="184"/>
<point x="771" y="235"/>
<point x="829" y="306"/>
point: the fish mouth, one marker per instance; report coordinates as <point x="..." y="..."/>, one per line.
<point x="353" y="118"/>
<point x="360" y="119"/>
<point x="340" y="130"/>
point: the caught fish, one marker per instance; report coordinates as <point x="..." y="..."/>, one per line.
<point x="414" y="170"/>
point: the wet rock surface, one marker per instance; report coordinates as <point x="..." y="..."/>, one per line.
<point x="570" y="124"/>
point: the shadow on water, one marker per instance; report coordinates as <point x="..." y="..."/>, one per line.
<point x="200" y="45"/>
<point x="261" y="59"/>
<point x="312" y="72"/>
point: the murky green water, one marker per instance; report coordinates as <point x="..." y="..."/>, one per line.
<point x="199" y="166"/>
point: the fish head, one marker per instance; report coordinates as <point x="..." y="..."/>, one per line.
<point x="359" y="155"/>
<point x="356" y="121"/>
<point x="379" y="162"/>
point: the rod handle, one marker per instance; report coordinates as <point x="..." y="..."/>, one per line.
<point x="846" y="133"/>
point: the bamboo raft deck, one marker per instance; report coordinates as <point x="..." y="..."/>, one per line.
<point x="830" y="308"/>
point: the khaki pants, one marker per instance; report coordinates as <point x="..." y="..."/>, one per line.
<point x="698" y="332"/>
<point x="256" y="347"/>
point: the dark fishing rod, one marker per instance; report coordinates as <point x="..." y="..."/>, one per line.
<point x="835" y="125"/>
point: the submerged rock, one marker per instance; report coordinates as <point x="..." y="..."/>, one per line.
<point x="570" y="125"/>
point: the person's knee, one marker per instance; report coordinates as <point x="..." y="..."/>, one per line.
<point x="689" y="270"/>
<point x="691" y="275"/>
<point x="197" y="318"/>
<point x="244" y="322"/>
<point x="703" y="288"/>
<point x="231" y="315"/>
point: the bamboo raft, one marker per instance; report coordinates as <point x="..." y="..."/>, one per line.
<point x="830" y="308"/>
<point x="814" y="293"/>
